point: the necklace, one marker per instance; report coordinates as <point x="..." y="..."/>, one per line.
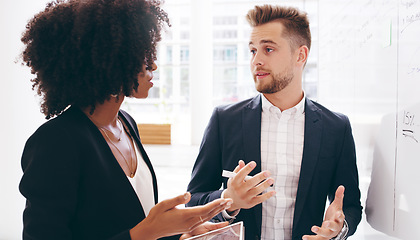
<point x="130" y="168"/>
<point x="119" y="128"/>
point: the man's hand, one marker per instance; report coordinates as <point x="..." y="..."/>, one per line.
<point x="333" y="221"/>
<point x="247" y="194"/>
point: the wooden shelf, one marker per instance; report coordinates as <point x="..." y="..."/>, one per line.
<point x="155" y="133"/>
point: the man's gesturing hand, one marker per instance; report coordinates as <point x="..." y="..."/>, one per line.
<point x="333" y="221"/>
<point x="247" y="194"/>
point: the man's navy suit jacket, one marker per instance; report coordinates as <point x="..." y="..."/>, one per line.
<point x="329" y="160"/>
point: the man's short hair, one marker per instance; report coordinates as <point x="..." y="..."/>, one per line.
<point x="296" y="22"/>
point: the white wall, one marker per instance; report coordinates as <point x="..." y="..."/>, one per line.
<point x="20" y="115"/>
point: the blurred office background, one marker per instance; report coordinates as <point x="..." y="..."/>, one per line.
<point x="203" y="61"/>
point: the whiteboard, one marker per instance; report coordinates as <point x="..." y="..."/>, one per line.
<point x="369" y="69"/>
<point x="407" y="195"/>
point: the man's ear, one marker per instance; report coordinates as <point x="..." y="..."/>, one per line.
<point x="303" y="53"/>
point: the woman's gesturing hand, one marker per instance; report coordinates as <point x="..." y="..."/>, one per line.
<point x="165" y="219"/>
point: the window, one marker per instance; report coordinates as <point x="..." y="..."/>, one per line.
<point x="185" y="54"/>
<point x="225" y="20"/>
<point x="166" y="87"/>
<point x="185" y="84"/>
<point x="225" y="34"/>
<point x="224" y="53"/>
<point x="169" y="54"/>
<point x="224" y="80"/>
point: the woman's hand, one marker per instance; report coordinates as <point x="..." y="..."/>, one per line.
<point x="165" y="219"/>
<point x="203" y="228"/>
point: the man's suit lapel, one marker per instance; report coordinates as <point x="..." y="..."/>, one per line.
<point x="311" y="148"/>
<point x="251" y="119"/>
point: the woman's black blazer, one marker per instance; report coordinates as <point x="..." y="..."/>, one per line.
<point x="73" y="185"/>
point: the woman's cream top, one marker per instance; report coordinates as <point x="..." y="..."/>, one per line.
<point x="142" y="183"/>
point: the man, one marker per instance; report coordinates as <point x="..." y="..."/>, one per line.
<point x="308" y="149"/>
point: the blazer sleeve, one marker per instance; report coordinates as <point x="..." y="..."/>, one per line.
<point x="206" y="178"/>
<point x="49" y="184"/>
<point x="347" y="175"/>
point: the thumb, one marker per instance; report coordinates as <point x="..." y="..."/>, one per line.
<point x="173" y="202"/>
<point x="339" y="196"/>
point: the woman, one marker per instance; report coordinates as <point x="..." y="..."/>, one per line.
<point x="86" y="174"/>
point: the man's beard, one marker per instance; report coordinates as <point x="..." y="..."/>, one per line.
<point x="279" y="82"/>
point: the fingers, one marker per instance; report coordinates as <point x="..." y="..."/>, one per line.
<point x="173" y="202"/>
<point x="204" y="213"/>
<point x="329" y="229"/>
<point x="257" y="185"/>
<point x="325" y="231"/>
<point x="261" y="198"/>
<point x="241" y="164"/>
<point x="255" y="180"/>
<point x="259" y="182"/>
<point x="213" y="208"/>
<point x="243" y="172"/>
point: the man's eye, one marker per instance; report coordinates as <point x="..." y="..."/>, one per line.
<point x="269" y="50"/>
<point x="252" y="52"/>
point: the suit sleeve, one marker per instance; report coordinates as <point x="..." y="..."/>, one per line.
<point x="347" y="175"/>
<point x="206" y="177"/>
<point x="49" y="184"/>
